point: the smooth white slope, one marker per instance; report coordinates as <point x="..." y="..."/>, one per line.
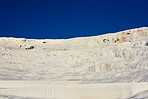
<point x="116" y="57"/>
<point x="74" y="91"/>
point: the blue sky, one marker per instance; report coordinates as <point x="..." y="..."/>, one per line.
<point x="61" y="19"/>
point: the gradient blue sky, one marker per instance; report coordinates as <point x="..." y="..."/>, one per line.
<point x="60" y="19"/>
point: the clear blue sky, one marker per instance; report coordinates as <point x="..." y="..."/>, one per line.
<point x="62" y="19"/>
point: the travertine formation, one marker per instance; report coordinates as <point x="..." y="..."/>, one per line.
<point x="113" y="57"/>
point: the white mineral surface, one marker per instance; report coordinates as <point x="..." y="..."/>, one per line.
<point x="113" y="57"/>
<point x="120" y="57"/>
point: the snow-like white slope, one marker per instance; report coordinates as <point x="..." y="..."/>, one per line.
<point x="141" y="95"/>
<point x="114" y="57"/>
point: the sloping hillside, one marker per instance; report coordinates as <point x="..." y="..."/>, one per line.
<point x="113" y="57"/>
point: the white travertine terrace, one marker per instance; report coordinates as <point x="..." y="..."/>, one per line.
<point x="113" y="57"/>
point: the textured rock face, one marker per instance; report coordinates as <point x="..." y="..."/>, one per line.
<point x="114" y="57"/>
